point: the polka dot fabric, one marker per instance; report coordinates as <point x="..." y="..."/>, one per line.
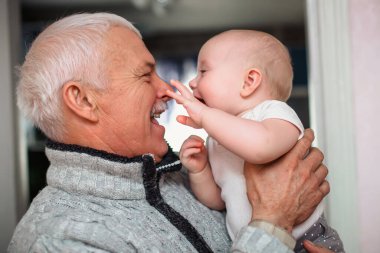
<point x="321" y="234"/>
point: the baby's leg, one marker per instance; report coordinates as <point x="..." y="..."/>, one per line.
<point x="321" y="234"/>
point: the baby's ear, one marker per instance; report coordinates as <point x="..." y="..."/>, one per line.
<point x="80" y="101"/>
<point x="252" y="80"/>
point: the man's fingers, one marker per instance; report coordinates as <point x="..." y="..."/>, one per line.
<point x="314" y="158"/>
<point x="303" y="145"/>
<point x="313" y="248"/>
<point x="324" y="188"/>
<point x="250" y="169"/>
<point x="321" y="173"/>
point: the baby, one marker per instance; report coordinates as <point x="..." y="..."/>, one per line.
<point x="244" y="78"/>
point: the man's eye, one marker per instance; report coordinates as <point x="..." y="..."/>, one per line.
<point x="146" y="76"/>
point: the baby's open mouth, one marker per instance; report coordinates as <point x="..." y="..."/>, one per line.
<point x="201" y="100"/>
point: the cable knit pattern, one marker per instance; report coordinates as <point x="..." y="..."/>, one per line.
<point x="96" y="202"/>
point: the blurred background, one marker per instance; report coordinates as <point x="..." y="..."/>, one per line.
<point x="174" y="32"/>
<point x="334" y="46"/>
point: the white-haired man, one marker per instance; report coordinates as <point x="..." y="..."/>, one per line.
<point x="113" y="185"/>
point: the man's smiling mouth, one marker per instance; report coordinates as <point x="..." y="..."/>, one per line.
<point x="158" y="108"/>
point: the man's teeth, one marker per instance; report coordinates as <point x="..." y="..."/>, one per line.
<point x="158" y="108"/>
<point x="155" y="115"/>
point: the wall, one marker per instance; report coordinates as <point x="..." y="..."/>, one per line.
<point x="344" y="58"/>
<point x="365" y="51"/>
<point x="8" y="161"/>
<point x="331" y="111"/>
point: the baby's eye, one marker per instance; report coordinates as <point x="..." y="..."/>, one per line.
<point x="202" y="71"/>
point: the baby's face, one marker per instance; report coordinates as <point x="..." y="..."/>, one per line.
<point x="220" y="77"/>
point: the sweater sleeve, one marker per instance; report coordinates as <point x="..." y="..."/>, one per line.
<point x="49" y="244"/>
<point x="255" y="240"/>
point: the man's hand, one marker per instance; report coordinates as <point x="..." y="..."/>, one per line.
<point x="312" y="248"/>
<point x="285" y="192"/>
<point x="192" y="105"/>
<point x="193" y="154"/>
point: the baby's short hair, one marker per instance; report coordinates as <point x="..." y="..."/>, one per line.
<point x="274" y="60"/>
<point x="266" y="53"/>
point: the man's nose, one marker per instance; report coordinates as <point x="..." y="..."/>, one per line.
<point x="161" y="88"/>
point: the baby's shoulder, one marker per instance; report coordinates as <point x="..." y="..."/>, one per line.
<point x="266" y="108"/>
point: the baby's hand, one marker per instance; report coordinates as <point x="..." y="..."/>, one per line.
<point x="193" y="154"/>
<point x="192" y="105"/>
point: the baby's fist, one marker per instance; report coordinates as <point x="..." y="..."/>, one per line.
<point x="193" y="154"/>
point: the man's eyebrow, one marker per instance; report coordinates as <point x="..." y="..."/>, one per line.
<point x="144" y="68"/>
<point x="150" y="65"/>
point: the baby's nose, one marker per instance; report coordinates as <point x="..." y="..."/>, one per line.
<point x="193" y="84"/>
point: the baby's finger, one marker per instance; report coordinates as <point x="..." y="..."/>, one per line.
<point x="195" y="143"/>
<point x="196" y="138"/>
<point x="181" y="88"/>
<point x="187" y="153"/>
<point x="192" y="143"/>
<point x="187" y="121"/>
<point x="178" y="97"/>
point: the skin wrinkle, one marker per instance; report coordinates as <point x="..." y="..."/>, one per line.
<point x="137" y="83"/>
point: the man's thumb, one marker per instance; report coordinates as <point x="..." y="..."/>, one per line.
<point x="312" y="248"/>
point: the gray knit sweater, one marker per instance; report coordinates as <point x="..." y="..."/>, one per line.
<point x="101" y="202"/>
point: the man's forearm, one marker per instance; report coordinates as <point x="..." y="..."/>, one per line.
<point x="252" y="239"/>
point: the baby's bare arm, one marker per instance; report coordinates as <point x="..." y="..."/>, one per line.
<point x="205" y="189"/>
<point x="193" y="155"/>
<point x="256" y="142"/>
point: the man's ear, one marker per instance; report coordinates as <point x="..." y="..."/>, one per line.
<point x="79" y="100"/>
<point x="252" y="81"/>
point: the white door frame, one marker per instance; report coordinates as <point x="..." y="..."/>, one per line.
<point x="331" y="110"/>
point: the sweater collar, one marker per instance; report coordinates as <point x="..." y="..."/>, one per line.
<point x="84" y="170"/>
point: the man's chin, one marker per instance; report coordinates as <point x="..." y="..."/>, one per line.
<point x="158" y="155"/>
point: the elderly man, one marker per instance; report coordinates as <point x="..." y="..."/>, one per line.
<point x="89" y="83"/>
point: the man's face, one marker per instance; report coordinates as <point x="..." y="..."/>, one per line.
<point x="125" y="107"/>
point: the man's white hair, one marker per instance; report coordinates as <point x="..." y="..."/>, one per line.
<point x="67" y="50"/>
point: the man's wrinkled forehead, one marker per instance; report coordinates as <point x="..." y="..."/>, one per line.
<point x="123" y="46"/>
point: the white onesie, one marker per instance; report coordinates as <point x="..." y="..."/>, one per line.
<point x="228" y="171"/>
